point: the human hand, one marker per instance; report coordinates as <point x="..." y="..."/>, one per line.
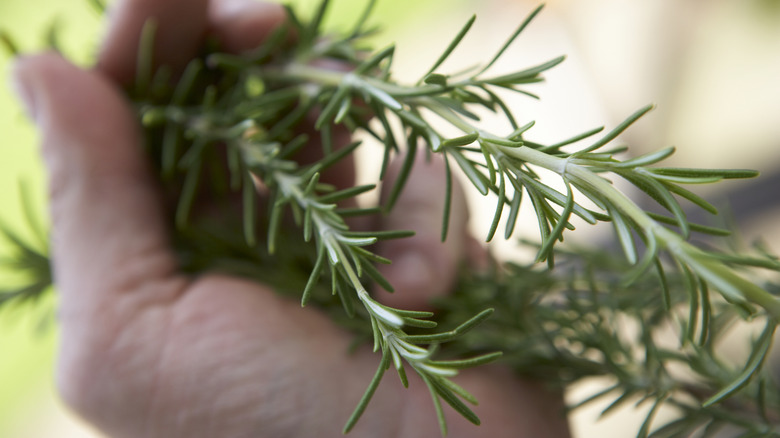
<point x="147" y="351"/>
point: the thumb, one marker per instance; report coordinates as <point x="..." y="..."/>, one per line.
<point x="423" y="266"/>
<point x="108" y="232"/>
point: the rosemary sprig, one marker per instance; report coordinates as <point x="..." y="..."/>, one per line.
<point x="343" y="251"/>
<point x="29" y="259"/>
<point x="511" y="160"/>
<point x="245" y="110"/>
<point x="493" y="163"/>
<point x="586" y="322"/>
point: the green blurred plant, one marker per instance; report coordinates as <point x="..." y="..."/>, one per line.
<point x="242" y="112"/>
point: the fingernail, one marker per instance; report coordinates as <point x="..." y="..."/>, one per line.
<point x="231" y="8"/>
<point x="24" y="88"/>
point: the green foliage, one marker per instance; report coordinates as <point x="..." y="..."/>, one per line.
<point x="29" y="260"/>
<point x="230" y="128"/>
<point x="587" y="322"/>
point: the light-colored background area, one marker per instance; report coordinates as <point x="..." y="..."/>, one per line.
<point x="712" y="67"/>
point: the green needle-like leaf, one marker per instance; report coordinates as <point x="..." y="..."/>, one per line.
<point x="436" y="404"/>
<point x="470" y="362"/>
<point x="617" y="131"/>
<point x="445" y="221"/>
<point x="361" y="407"/>
<point x="757" y="357"/>
<point x="249" y="209"/>
<point x="479" y="180"/>
<point x="188" y="194"/>
<point x="8" y="43"/>
<point x="313" y="278"/>
<point x="374" y="60"/>
<point x="453" y="44"/>
<point x="499" y="209"/>
<point x="145" y="58"/>
<point x="446" y="393"/>
<point x="545" y="252"/>
<point x="511" y="39"/>
<point x="524" y="76"/>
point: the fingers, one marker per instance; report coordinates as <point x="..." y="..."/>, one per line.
<point x="179" y="29"/>
<point x="423" y="267"/>
<point x="180" y="26"/>
<point x="241" y="25"/>
<point x="108" y="230"/>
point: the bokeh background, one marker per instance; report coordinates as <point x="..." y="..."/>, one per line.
<point x="711" y="66"/>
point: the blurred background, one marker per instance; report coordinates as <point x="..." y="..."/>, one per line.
<point x="711" y="66"/>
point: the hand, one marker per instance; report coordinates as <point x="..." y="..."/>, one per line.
<point x="147" y="351"/>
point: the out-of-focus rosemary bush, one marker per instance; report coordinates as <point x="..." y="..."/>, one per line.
<point x="229" y="126"/>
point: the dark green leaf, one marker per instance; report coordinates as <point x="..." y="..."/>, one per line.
<point x="381" y="96"/>
<point x="436" y="404"/>
<point x="576" y="138"/>
<point x="343" y="289"/>
<point x="249" y="207"/>
<point x="370" y="256"/>
<point x="361" y="22"/>
<point x="331" y="159"/>
<point x="445" y="220"/>
<point x="706" y="173"/>
<point x="624" y="232"/>
<point x="753" y="365"/>
<point x="313" y="28"/>
<point x="145" y="58"/>
<point x="314" y="277"/>
<point x="524" y="76"/>
<point x="452" y="334"/>
<point x="186" y="82"/>
<point x="460" y="141"/>
<point x="514" y="210"/>
<point x="332" y="108"/>
<point x="644" y="429"/>
<point x="696" y="199"/>
<point x="476" y="177"/>
<point x="647" y="159"/>
<point x="358" y="211"/>
<point x="545" y="251"/>
<point x="277" y="208"/>
<point x="453" y="44"/>
<point x="448" y="396"/>
<point x="375" y="275"/>
<point x="435" y="79"/>
<point x="374" y="60"/>
<point x="381" y="235"/>
<point x="470" y="362"/>
<point x="419" y="323"/>
<point x="363" y="403"/>
<point x="517" y="32"/>
<point x="332" y="198"/>
<point x="499" y="208"/>
<point x="617" y="131"/>
<point x="9" y="44"/>
<point x="187" y="196"/>
<point x="714" y="231"/>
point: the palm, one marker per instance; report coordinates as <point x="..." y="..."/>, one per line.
<point x="227" y="347"/>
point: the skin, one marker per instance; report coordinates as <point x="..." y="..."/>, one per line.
<point x="147" y="351"/>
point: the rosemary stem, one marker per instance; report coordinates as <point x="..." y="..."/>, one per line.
<point x="290" y="185"/>
<point x="309" y="73"/>
<point x="731" y="285"/>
